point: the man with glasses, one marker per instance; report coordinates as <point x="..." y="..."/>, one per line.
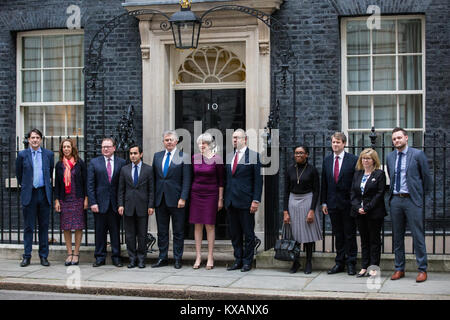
<point x="102" y="187"/>
<point x="243" y="191"/>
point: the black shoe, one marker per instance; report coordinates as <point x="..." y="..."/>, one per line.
<point x="78" y="261"/>
<point x="160" y="263"/>
<point x="336" y="269"/>
<point x="351" y="270"/>
<point x="246" y="268"/>
<point x="295" y="266"/>
<point x="45" y="262"/>
<point x="177" y="264"/>
<point x="117" y="263"/>
<point x="131" y="265"/>
<point x="98" y="263"/>
<point x="308" y="267"/>
<point x="235" y="266"/>
<point x="141" y="265"/>
<point x="25" y="262"/>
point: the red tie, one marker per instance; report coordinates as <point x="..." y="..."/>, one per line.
<point x="336" y="169"/>
<point x="236" y="158"/>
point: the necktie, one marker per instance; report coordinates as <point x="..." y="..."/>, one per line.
<point x="336" y="169"/>
<point x="166" y="164"/>
<point x="398" y="173"/>
<point x="108" y="169"/>
<point x="236" y="159"/>
<point x="135" y="177"/>
<point x="35" y="170"/>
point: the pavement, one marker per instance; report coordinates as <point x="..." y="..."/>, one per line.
<point x="216" y="284"/>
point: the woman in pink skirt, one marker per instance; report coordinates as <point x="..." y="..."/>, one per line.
<point x="206" y="196"/>
<point x="70" y="197"/>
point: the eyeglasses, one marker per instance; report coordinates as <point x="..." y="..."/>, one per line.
<point x="107" y="147"/>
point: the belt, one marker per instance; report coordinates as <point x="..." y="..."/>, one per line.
<point x="402" y="195"/>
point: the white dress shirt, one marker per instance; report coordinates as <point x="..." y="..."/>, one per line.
<point x="171" y="157"/>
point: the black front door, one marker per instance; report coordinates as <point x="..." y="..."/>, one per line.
<point x="217" y="109"/>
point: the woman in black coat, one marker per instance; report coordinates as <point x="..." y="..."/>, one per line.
<point x="367" y="197"/>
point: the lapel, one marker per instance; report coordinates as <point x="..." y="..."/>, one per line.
<point x="176" y="159"/>
<point x="28" y="157"/>
<point x="44" y="162"/>
<point x="342" y="167"/>
<point x="369" y="180"/>
<point x="409" y="156"/>
<point x="243" y="161"/>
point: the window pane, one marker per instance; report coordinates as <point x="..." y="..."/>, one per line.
<point x="73" y="49"/>
<point x="53" y="85"/>
<point x="409" y="36"/>
<point x="31" y="56"/>
<point x="31" y="86"/>
<point x="359" y="112"/>
<point x="358" y="37"/>
<point x="53" y="51"/>
<point x="384" y="73"/>
<point x="75" y="120"/>
<point x="410" y="73"/>
<point x="55" y="120"/>
<point x="415" y="139"/>
<point x="384" y="38"/>
<point x="358" y="74"/>
<point x="33" y="117"/>
<point x="411" y="111"/>
<point x="74" y="85"/>
<point x="385" y="111"/>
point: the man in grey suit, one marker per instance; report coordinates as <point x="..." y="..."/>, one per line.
<point x="410" y="180"/>
<point x="136" y="203"/>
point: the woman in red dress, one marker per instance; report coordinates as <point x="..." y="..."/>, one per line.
<point x="206" y="196"/>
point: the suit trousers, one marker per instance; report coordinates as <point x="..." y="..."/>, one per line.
<point x="104" y="222"/>
<point x="404" y="210"/>
<point x="242" y="231"/>
<point x="136" y="231"/>
<point x="370" y="233"/>
<point x="38" y="207"/>
<point x="344" y="230"/>
<point x="163" y="215"/>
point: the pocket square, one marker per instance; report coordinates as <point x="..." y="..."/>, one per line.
<point x="373" y="179"/>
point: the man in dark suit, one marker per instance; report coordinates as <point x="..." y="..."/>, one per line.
<point x="337" y="176"/>
<point x="34" y="169"/>
<point x="102" y="185"/>
<point x="172" y="176"/>
<point x="136" y="203"/>
<point x="243" y="191"/>
<point x="410" y="181"/>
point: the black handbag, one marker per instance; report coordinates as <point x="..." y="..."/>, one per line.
<point x="286" y="248"/>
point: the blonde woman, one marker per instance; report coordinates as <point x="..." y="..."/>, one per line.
<point x="367" y="196"/>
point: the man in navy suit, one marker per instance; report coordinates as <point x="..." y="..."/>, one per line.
<point x="410" y="180"/>
<point x="243" y="191"/>
<point x="337" y="176"/>
<point x="172" y="176"/>
<point x="34" y="168"/>
<point x="102" y="187"/>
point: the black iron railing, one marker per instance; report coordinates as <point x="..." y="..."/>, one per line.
<point x="436" y="219"/>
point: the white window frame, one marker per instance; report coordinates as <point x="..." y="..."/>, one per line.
<point x="19" y="96"/>
<point x="345" y="93"/>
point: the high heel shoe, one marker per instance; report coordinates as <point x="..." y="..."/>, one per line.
<point x="197" y="266"/>
<point x="78" y="261"/>
<point x="209" y="266"/>
<point x="68" y="263"/>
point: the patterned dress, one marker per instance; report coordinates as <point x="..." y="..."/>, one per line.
<point x="72" y="209"/>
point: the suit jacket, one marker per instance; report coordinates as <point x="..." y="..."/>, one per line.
<point x="24" y="174"/>
<point x="246" y="184"/>
<point x="136" y="198"/>
<point x="337" y="195"/>
<point x="418" y="178"/>
<point x="80" y="180"/>
<point x="99" y="190"/>
<point x="373" y="198"/>
<point x="177" y="183"/>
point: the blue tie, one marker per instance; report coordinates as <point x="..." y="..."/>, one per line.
<point x="166" y="164"/>
<point x="36" y="168"/>
<point x="399" y="170"/>
<point x="135" y="177"/>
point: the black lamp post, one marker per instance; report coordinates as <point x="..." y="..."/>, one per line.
<point x="185" y="27"/>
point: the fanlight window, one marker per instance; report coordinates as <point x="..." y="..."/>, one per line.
<point x="211" y="65"/>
